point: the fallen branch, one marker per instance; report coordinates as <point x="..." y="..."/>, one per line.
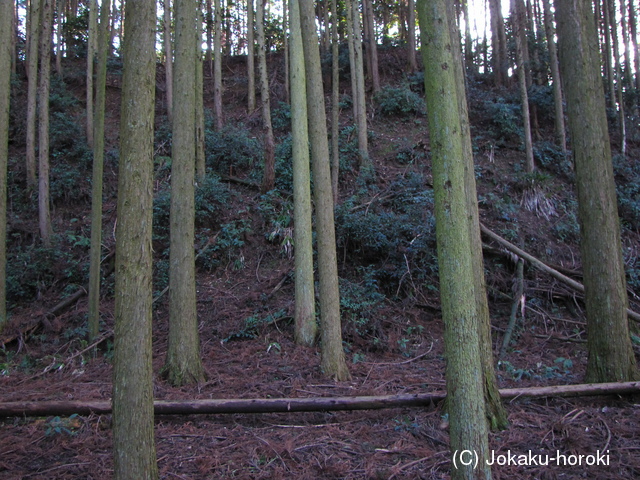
<point x="315" y="404"/>
<point x="577" y="286"/>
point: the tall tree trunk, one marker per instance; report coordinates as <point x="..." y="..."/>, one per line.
<point x="561" y="136"/>
<point x="306" y="329"/>
<point x="59" y="37"/>
<point x="468" y="42"/>
<point x="633" y="30"/>
<point x="183" y="364"/>
<point x="411" y="36"/>
<point x="360" y="105"/>
<point x="285" y="22"/>
<point x="333" y="360"/>
<point x="610" y="355"/>
<point x="251" y="73"/>
<point x="371" y="45"/>
<point x="498" y="44"/>
<point x="91" y="52"/>
<point x="518" y="14"/>
<point x="495" y="410"/>
<point x="6" y="49"/>
<point x="351" y="42"/>
<point x="464" y="377"/>
<point x="168" y="62"/>
<point x="607" y="53"/>
<point x="201" y="161"/>
<point x="33" y="43"/>
<point x="133" y="441"/>
<point x="335" y="101"/>
<point x="269" y="176"/>
<point x="209" y="22"/>
<point x="44" y="84"/>
<point x="217" y="65"/>
<point x="96" y="182"/>
<point x="617" y="70"/>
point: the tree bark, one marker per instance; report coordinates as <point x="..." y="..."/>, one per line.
<point x="251" y="75"/>
<point x="359" y="97"/>
<point x="499" y="58"/>
<point x="95" y="274"/>
<point x="496" y="412"/>
<point x="306" y="329"/>
<point x="312" y="404"/>
<point x="269" y="176"/>
<point x="518" y="15"/>
<point x="183" y="364"/>
<point x="610" y="354"/>
<point x="6" y="48"/>
<point x="133" y="440"/>
<point x="411" y="36"/>
<point x="44" y="84"/>
<point x="201" y="160"/>
<point x="335" y="101"/>
<point x="91" y="52"/>
<point x="464" y="371"/>
<point x="168" y="61"/>
<point x="217" y="65"/>
<point x="371" y="45"/>
<point x="333" y="360"/>
<point x="33" y="43"/>
<point x="561" y="136"/>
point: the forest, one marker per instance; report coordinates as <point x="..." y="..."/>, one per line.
<point x="331" y="239"/>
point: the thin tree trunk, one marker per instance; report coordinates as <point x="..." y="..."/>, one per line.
<point x="183" y="364"/>
<point x="6" y="49"/>
<point x="517" y="9"/>
<point x="411" y="36"/>
<point x="268" y="178"/>
<point x="335" y="101"/>
<point x="464" y="371"/>
<point x="610" y="354"/>
<point x="306" y="329"/>
<point x="607" y="54"/>
<point x="371" y="44"/>
<point x="44" y="83"/>
<point x="91" y="52"/>
<point x="201" y="161"/>
<point x="618" y="77"/>
<point x="217" y="65"/>
<point x="298" y="404"/>
<point x="333" y="360"/>
<point x="59" y="40"/>
<point x="498" y="44"/>
<point x="561" y="136"/>
<point x="359" y="94"/>
<point x="168" y="62"/>
<point x="32" y="91"/>
<point x="285" y="25"/>
<point x="133" y="439"/>
<point x="633" y="30"/>
<point x="96" y="182"/>
<point x="251" y="74"/>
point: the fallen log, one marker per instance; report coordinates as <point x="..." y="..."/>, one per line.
<point x="313" y="404"/>
<point x="577" y="286"/>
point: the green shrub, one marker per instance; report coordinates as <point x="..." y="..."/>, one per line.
<point x="33" y="269"/>
<point x="506" y="118"/>
<point x="399" y="101"/>
<point x="360" y="302"/>
<point x="232" y="147"/>
<point x="396" y="234"/>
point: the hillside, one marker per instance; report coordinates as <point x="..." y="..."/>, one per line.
<point x="392" y="325"/>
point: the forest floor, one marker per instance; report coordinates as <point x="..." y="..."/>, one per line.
<point x="246" y="333"/>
